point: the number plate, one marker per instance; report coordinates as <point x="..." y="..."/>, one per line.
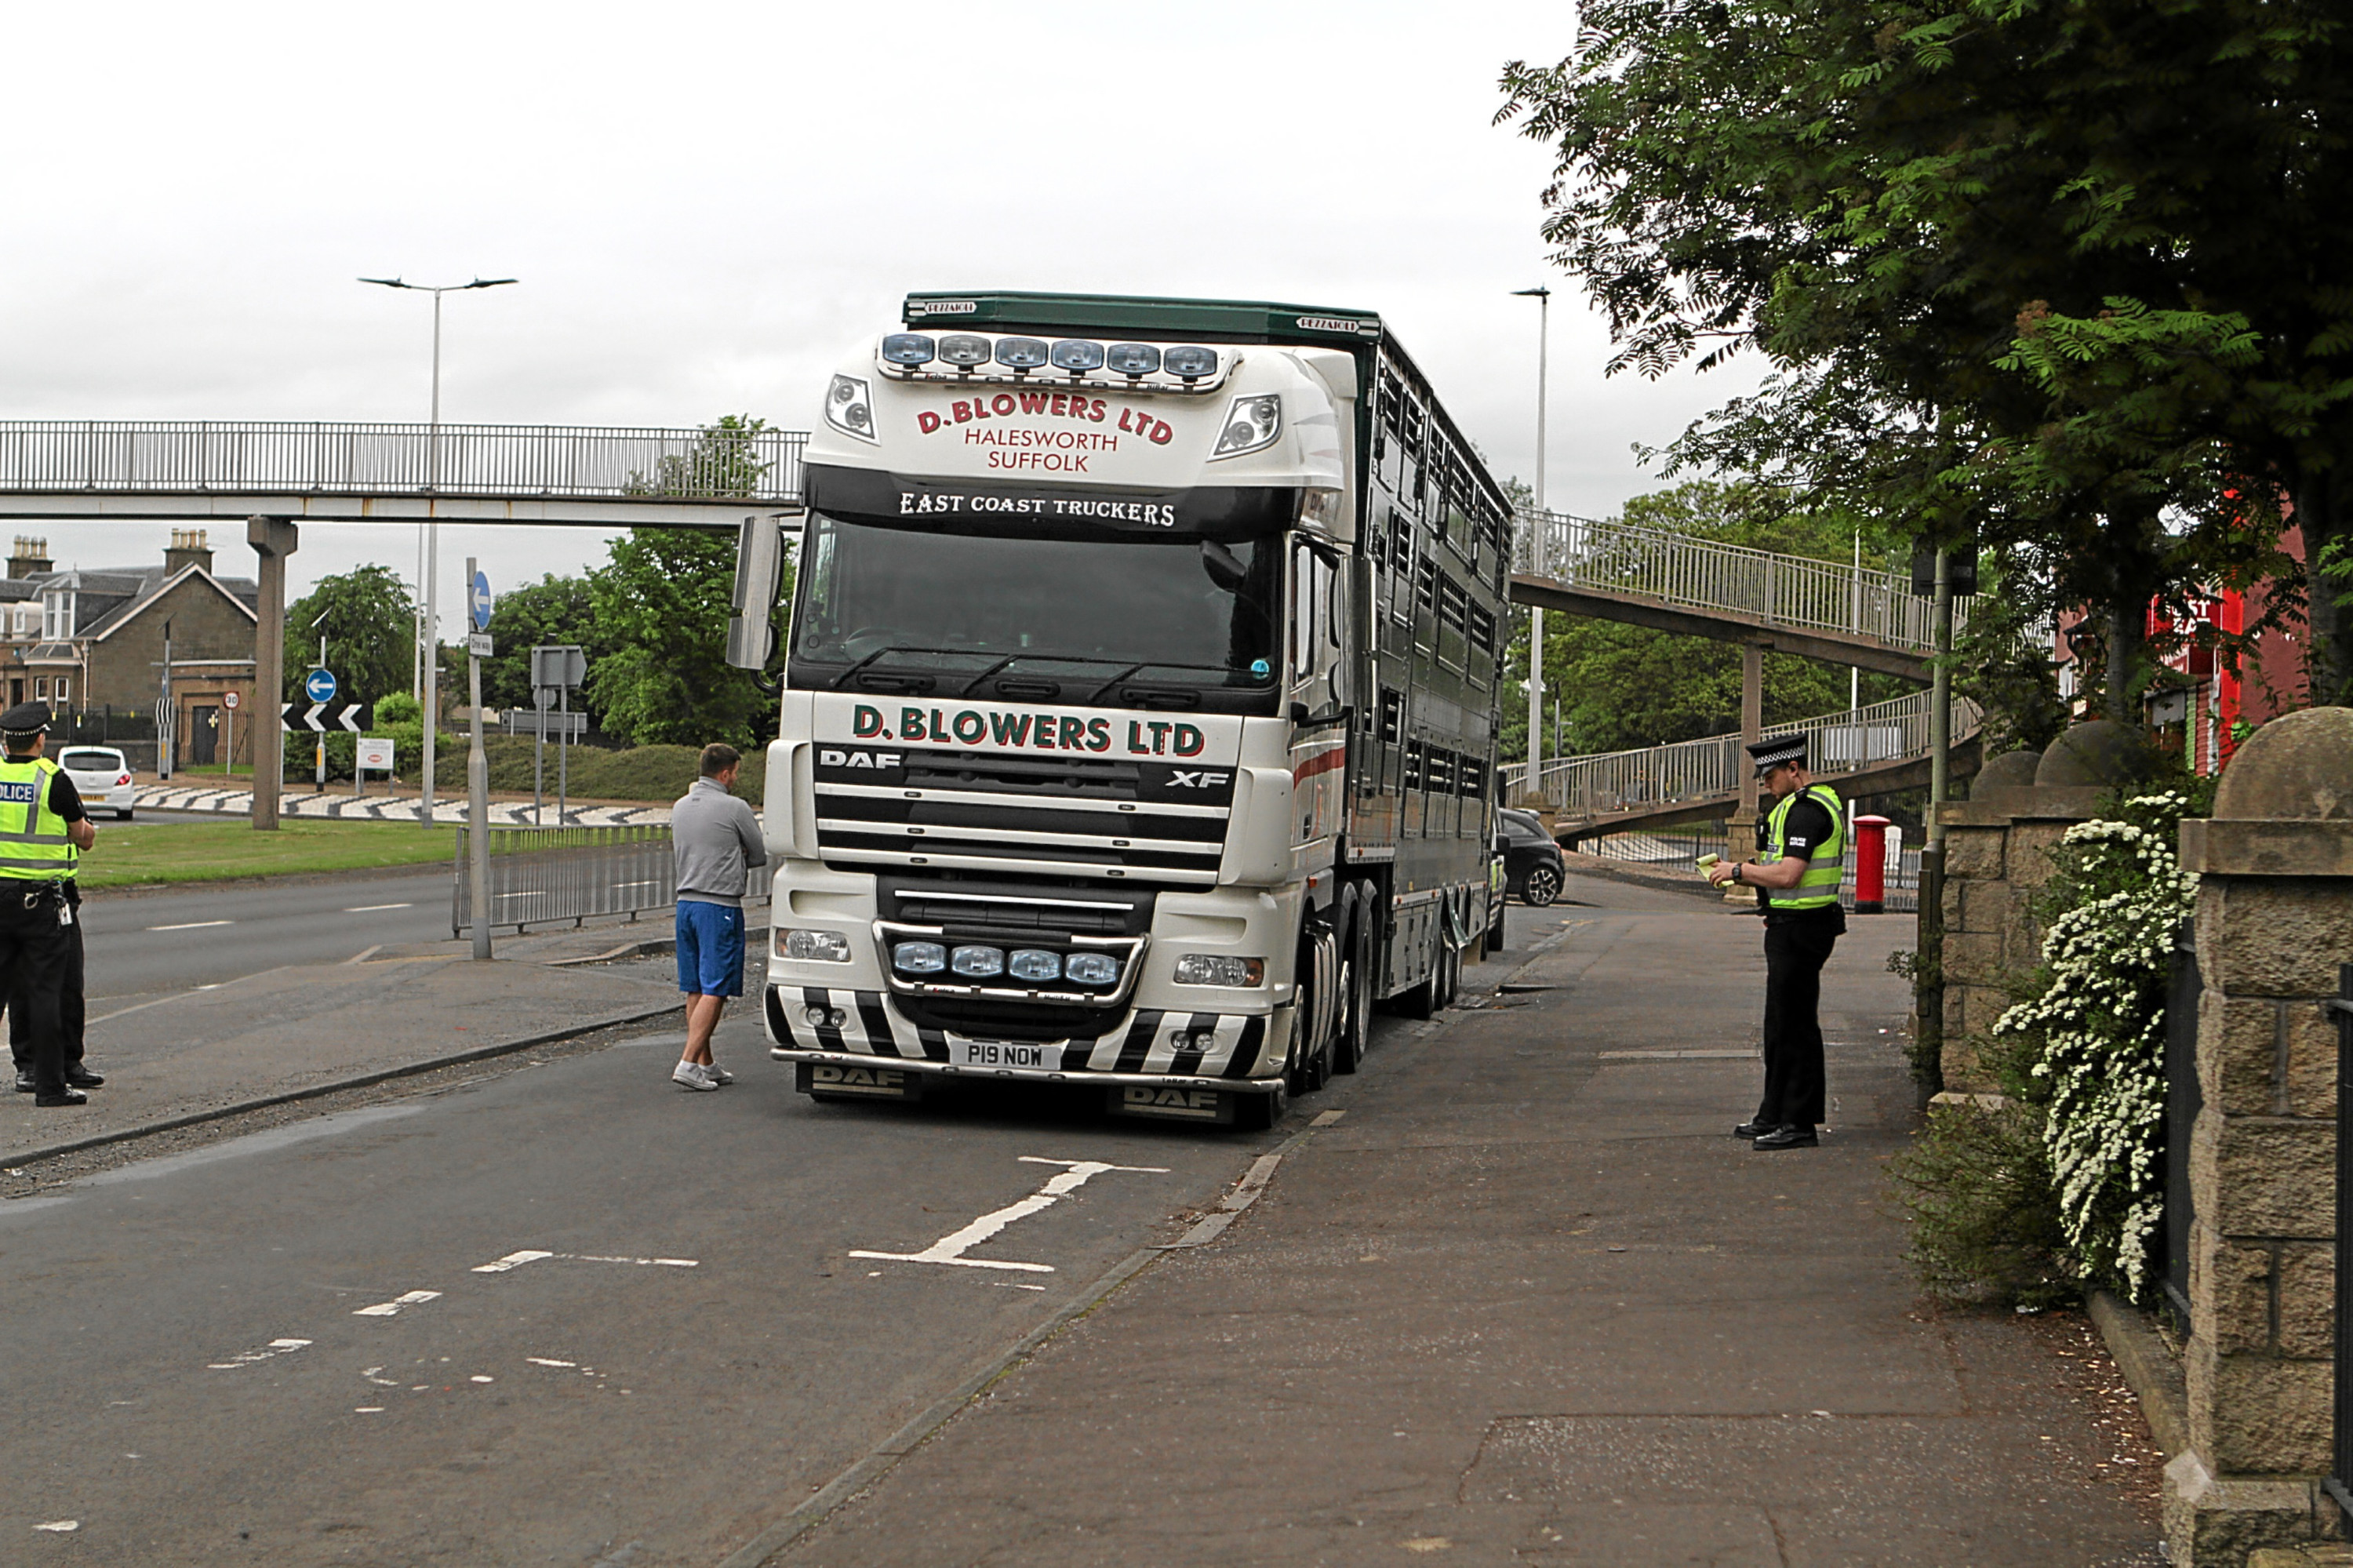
<point x="1003" y="1053"/>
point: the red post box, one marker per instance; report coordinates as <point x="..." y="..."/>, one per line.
<point x="1870" y="864"/>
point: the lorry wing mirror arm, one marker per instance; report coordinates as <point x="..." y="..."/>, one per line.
<point x="1302" y="719"/>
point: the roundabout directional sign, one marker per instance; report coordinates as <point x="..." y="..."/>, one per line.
<point x="478" y="596"/>
<point x="318" y="685"/>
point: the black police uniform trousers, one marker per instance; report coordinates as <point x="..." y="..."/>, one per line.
<point x="36" y="950"/>
<point x="71" y="1009"/>
<point x="1798" y="943"/>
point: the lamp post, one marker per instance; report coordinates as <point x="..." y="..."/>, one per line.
<point x="1543" y="298"/>
<point x="429" y="634"/>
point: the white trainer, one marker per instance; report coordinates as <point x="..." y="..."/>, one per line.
<point x="693" y="1075"/>
<point x="719" y="1075"/>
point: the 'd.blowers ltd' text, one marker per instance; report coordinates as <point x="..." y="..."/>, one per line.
<point x="1051" y="450"/>
<point x="1034" y="732"/>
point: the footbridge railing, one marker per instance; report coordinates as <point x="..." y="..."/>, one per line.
<point x="1766" y="587"/>
<point x="1695" y="772"/>
<point x="591" y="462"/>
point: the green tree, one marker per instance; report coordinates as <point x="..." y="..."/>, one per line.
<point x="369" y="622"/>
<point x="552" y="610"/>
<point x="2063" y="272"/>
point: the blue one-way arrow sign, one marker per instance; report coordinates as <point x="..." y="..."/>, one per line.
<point x="318" y="685"/>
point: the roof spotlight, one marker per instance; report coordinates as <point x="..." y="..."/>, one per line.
<point x="1077" y="356"/>
<point x="964" y="350"/>
<point x="1133" y="358"/>
<point x="1189" y="363"/>
<point x="907" y="348"/>
<point x="1020" y="352"/>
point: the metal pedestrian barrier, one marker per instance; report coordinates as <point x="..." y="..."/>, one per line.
<point x="545" y="876"/>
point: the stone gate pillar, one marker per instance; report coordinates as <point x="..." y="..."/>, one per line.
<point x="2274" y="920"/>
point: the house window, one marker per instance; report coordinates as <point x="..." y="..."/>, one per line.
<point x="41" y="688"/>
<point x="65" y="690"/>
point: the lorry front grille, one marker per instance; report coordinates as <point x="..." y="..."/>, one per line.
<point x="1082" y="817"/>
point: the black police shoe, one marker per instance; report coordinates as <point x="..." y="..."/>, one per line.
<point x="1799" y="1136"/>
<point x="25" y="1085"/>
<point x="1753" y="1128"/>
<point x="69" y="1097"/>
<point x="80" y="1077"/>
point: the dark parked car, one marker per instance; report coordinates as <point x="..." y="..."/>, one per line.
<point x="1532" y="866"/>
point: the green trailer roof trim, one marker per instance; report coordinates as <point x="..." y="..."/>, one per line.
<point x="1227" y="320"/>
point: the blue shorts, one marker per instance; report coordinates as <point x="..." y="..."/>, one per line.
<point x="710" y="949"/>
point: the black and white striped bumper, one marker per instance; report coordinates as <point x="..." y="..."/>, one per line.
<point x="1143" y="1049"/>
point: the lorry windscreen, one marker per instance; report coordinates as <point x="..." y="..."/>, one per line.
<point x="1111" y="620"/>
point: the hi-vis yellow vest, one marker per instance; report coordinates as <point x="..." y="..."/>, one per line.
<point x="1819" y="888"/>
<point x="34" y="843"/>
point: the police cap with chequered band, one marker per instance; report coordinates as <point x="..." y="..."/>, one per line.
<point x="1777" y="751"/>
<point x="24" y="720"/>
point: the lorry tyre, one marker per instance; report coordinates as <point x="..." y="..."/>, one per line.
<point x="1257" y="1113"/>
<point x="1353" y="1038"/>
<point x="1311" y="1059"/>
<point x="1423" y="1001"/>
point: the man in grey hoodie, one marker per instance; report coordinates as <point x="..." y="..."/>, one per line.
<point x="717" y="840"/>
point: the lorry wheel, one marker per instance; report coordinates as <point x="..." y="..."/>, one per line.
<point x="1423" y="1001"/>
<point x="1353" y="1038"/>
<point x="1313" y="1070"/>
<point x="1257" y="1113"/>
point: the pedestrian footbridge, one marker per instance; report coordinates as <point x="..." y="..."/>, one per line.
<point x="575" y="475"/>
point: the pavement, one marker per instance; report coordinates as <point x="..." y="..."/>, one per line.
<point x="297" y="1029"/>
<point x="1526" y="1302"/>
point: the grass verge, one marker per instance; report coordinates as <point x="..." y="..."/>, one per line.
<point x="128" y="854"/>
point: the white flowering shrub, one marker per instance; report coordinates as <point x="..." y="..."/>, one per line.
<point x="2096" y="1033"/>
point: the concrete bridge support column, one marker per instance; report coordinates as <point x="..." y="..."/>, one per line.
<point x="273" y="539"/>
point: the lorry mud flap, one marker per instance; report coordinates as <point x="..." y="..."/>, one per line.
<point x="830" y="1079"/>
<point x="1173" y="1104"/>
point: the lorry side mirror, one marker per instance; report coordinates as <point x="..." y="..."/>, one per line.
<point x="759" y="564"/>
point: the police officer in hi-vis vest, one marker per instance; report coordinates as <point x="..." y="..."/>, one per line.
<point x="1800" y="846"/>
<point x="42" y="830"/>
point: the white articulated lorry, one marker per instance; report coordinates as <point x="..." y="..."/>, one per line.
<point x="1139" y="707"/>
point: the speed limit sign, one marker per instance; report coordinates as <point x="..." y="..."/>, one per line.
<point x="228" y="700"/>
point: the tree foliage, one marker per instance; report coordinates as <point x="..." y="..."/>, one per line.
<point x="552" y="610"/>
<point x="2061" y="273"/>
<point x="369" y="621"/>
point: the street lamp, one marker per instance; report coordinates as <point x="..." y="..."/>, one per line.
<point x="1543" y="298"/>
<point x="429" y="652"/>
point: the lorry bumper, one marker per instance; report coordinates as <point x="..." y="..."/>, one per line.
<point x="1231" y="1053"/>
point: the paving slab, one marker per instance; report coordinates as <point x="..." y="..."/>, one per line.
<point x="1527" y="1304"/>
<point x="292" y="1029"/>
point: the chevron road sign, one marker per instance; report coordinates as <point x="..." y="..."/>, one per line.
<point x="309" y="718"/>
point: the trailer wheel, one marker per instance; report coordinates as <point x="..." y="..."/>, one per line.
<point x="1423" y="1001"/>
<point x="1355" y="1035"/>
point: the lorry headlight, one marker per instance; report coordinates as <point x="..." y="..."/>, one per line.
<point x="919" y="957"/>
<point x="1251" y="425"/>
<point x="1218" y="969"/>
<point x="1091" y="969"/>
<point x="817" y="947"/>
<point x="977" y="963"/>
<point x="1035" y="964"/>
<point x="848" y="409"/>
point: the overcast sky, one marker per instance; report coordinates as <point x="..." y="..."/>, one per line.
<point x="708" y="206"/>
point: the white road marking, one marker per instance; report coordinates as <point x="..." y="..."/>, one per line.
<point x="192" y="926"/>
<point x="950" y="1248"/>
<point x="367" y="1410"/>
<point x="546" y="1362"/>
<point x="515" y="1260"/>
<point x="369" y="1373"/>
<point x="60" y="1526"/>
<point x="371" y="908"/>
<point x="247" y="1358"/>
<point x="392" y="1309"/>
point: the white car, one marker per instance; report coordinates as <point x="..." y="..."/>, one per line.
<point x="102" y="776"/>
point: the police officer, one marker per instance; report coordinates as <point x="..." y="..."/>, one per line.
<point x="42" y="830"/>
<point x="1800" y="846"/>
